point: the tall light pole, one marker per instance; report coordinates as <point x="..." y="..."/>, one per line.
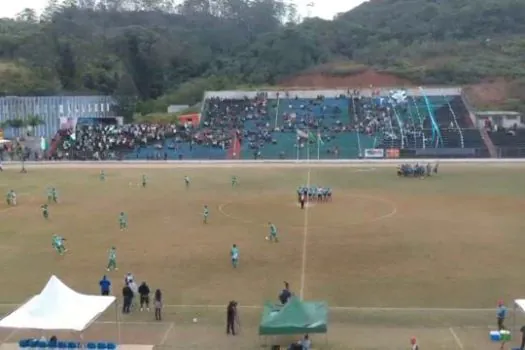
<point x="309" y="8"/>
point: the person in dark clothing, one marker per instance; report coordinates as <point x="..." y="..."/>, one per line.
<point x="522" y="330"/>
<point x="127" y="294"/>
<point x="285" y="294"/>
<point x="231" y="317"/>
<point x="105" y="285"/>
<point x="158" y="305"/>
<point x="144" y="296"/>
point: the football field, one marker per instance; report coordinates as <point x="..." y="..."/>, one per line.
<point x="393" y="257"/>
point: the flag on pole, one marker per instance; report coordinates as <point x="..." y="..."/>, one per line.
<point x="307" y="135"/>
<point x="319" y="138"/>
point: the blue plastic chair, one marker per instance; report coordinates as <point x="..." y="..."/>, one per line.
<point x="112" y="346"/>
<point x="62" y="345"/>
<point x="33" y="343"/>
<point x="91" y="345"/>
<point x="72" y="345"/>
<point x="42" y="344"/>
<point x="24" y="343"/>
<point x="102" y="346"/>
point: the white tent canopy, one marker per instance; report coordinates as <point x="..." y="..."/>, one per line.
<point x="58" y="307"/>
<point x="520" y="303"/>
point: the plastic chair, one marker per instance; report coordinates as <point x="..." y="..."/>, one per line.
<point x="42" y="344"/>
<point x="72" y="345"/>
<point x="102" y="346"/>
<point x="112" y="346"/>
<point x="91" y="346"/>
<point x="24" y="343"/>
<point x="33" y="343"/>
<point x="62" y="345"/>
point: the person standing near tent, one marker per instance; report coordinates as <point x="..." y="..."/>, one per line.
<point x="285" y="294"/>
<point x="413" y="344"/>
<point x="105" y="286"/>
<point x="127" y="295"/>
<point x="144" y="296"/>
<point x="501" y="313"/>
<point x="158" y="305"/>
<point x="231" y="317"/>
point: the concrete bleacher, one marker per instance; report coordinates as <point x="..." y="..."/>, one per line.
<point x="511" y="144"/>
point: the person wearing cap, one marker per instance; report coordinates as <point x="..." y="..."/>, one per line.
<point x="413" y="343"/>
<point x="501" y="313"/>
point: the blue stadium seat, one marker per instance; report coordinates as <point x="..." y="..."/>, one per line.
<point x="91" y="345"/>
<point x="33" y="343"/>
<point x="112" y="346"/>
<point x="62" y="345"/>
<point x="102" y="346"/>
<point x="42" y="344"/>
<point x="72" y="345"/>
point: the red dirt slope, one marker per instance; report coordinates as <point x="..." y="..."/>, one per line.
<point x="359" y="80"/>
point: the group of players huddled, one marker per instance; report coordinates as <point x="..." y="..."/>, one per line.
<point x="313" y="194"/>
<point x="417" y="170"/>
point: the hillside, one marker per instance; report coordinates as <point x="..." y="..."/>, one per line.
<point x="148" y="53"/>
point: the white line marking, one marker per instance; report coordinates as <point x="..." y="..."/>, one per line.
<point x="165" y="337"/>
<point x="337" y="308"/>
<point x="305" y="236"/>
<point x="456" y="338"/>
<point x="9" y="336"/>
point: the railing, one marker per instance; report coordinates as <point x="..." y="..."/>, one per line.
<point x="456" y="123"/>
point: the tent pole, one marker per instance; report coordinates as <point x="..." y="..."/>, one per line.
<point x="118" y="323"/>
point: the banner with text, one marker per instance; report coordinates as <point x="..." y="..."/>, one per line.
<point x="374" y="153"/>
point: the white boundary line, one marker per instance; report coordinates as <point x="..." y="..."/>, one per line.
<point x="456" y="338"/>
<point x="305" y="236"/>
<point x="165" y="336"/>
<point x="336" y="308"/>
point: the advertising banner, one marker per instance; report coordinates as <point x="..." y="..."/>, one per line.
<point x="374" y="153"/>
<point x="392" y="153"/>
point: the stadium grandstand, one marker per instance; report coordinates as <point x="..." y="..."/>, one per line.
<point x="286" y="124"/>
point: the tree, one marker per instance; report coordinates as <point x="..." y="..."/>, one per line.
<point x="17" y="124"/>
<point x="32" y="122"/>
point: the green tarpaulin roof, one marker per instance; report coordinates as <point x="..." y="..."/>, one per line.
<point x="295" y="317"/>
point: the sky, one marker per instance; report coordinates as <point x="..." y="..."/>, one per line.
<point x="325" y="9"/>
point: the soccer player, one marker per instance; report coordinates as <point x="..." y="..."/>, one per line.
<point x="273" y="233"/>
<point x="58" y="244"/>
<point x="112" y="259"/>
<point x="302" y="199"/>
<point x="49" y="194"/>
<point x="234" y="181"/>
<point x="187" y="181"/>
<point x="45" y="211"/>
<point x="144" y="181"/>
<point x="123" y="221"/>
<point x="54" y="195"/>
<point x="102" y="175"/>
<point x="11" y="198"/>
<point x="234" y="254"/>
<point x="205" y="214"/>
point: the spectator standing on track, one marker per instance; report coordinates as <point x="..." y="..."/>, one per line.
<point x="158" y="305"/>
<point x="413" y="343"/>
<point x="285" y="294"/>
<point x="144" y="296"/>
<point x="522" y="330"/>
<point x="501" y="313"/>
<point x="231" y="317"/>
<point x="105" y="285"/>
<point x="127" y="295"/>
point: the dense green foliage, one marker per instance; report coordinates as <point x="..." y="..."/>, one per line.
<point x="149" y="53"/>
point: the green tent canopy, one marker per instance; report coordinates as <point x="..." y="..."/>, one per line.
<point x="295" y="317"/>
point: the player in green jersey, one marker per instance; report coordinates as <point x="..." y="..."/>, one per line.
<point x="234" y="181"/>
<point x="144" y="181"/>
<point x="11" y="198"/>
<point x="234" y="254"/>
<point x="187" y="181"/>
<point x="273" y="233"/>
<point x="112" y="259"/>
<point x="205" y="214"/>
<point x="58" y="244"/>
<point x="102" y="175"/>
<point x="123" y="221"/>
